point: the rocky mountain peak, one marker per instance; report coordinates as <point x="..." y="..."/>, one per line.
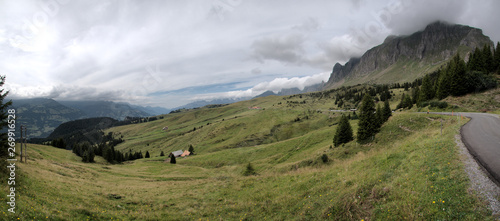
<point x="405" y="58"/>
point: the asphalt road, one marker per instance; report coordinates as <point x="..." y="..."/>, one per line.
<point x="481" y="135"/>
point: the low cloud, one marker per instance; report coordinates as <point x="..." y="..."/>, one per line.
<point x="275" y="85"/>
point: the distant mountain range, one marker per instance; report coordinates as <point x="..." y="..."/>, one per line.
<point x="405" y="58"/>
<point x="292" y="91"/>
<point x="42" y="115"/>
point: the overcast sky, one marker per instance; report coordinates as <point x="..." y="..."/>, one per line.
<point x="169" y="53"/>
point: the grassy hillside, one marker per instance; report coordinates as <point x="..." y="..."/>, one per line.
<point x="409" y="171"/>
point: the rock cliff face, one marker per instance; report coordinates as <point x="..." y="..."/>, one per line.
<point x="405" y="58"/>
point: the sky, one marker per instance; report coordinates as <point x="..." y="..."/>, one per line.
<point x="169" y="53"/>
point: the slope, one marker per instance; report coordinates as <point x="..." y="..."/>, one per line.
<point x="411" y="173"/>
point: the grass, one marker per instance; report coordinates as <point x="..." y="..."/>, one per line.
<point x="409" y="171"/>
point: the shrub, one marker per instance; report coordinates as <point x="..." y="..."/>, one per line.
<point x="324" y="158"/>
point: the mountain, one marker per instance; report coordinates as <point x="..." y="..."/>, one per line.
<point x="292" y="91"/>
<point x="42" y="116"/>
<point x="406" y="58"/>
<point x="153" y="111"/>
<point x="202" y="103"/>
<point x="105" y="109"/>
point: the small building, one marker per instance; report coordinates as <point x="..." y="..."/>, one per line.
<point x="186" y="153"/>
<point x="177" y="153"/>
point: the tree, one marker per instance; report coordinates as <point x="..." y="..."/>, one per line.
<point x="488" y="61"/>
<point x="249" y="170"/>
<point x="458" y="78"/>
<point x="427" y="90"/>
<point x="191" y="149"/>
<point x="162" y="154"/>
<point x="367" y="119"/>
<point x="496" y="58"/>
<point x="387" y="110"/>
<point x="147" y="154"/>
<point x="172" y="159"/>
<point x="380" y="116"/>
<point x="343" y="133"/>
<point x="443" y="85"/>
<point x="4" y="122"/>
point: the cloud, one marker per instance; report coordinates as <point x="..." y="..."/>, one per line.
<point x="310" y="24"/>
<point x="107" y="49"/>
<point x="286" y="49"/>
<point x="275" y="85"/>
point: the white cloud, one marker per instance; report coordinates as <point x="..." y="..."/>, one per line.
<point x="275" y="85"/>
<point x="104" y="47"/>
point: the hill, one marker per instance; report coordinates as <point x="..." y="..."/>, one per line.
<point x="42" y="115"/>
<point x="405" y="58"/>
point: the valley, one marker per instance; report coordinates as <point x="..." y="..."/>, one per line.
<point x="409" y="170"/>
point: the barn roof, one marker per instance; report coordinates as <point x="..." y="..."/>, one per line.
<point x="177" y="153"/>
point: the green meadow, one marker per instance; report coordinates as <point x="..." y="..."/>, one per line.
<point x="408" y="171"/>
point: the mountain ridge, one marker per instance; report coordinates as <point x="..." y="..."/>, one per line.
<point x="414" y="55"/>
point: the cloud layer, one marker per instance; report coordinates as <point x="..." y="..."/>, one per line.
<point x="137" y="51"/>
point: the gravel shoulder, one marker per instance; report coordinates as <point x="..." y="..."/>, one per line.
<point x="479" y="180"/>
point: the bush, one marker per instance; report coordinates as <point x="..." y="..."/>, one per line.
<point x="435" y="104"/>
<point x="324" y="158"/>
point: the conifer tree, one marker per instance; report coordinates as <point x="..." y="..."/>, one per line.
<point x="496" y="58"/>
<point x="147" y="154"/>
<point x="191" y="149"/>
<point x="249" y="170"/>
<point x="343" y="133"/>
<point x="443" y="85"/>
<point x="367" y="119"/>
<point x="162" y="154"/>
<point x="427" y="90"/>
<point x="4" y="117"/>
<point x="380" y="116"/>
<point x="458" y="79"/>
<point x="387" y="110"/>
<point x="172" y="159"/>
<point x="487" y="59"/>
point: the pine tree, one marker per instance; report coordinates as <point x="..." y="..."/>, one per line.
<point x="4" y="122"/>
<point x="172" y="159"/>
<point x="387" y="110"/>
<point x="367" y="119"/>
<point x="488" y="61"/>
<point x="162" y="154"/>
<point x="496" y="58"/>
<point x="249" y="170"/>
<point x="191" y="149"/>
<point x="427" y="90"/>
<point x="458" y="79"/>
<point x="380" y="116"/>
<point x="408" y="102"/>
<point x="343" y="133"/>
<point x="416" y="95"/>
<point x="147" y="154"/>
<point x="443" y="85"/>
